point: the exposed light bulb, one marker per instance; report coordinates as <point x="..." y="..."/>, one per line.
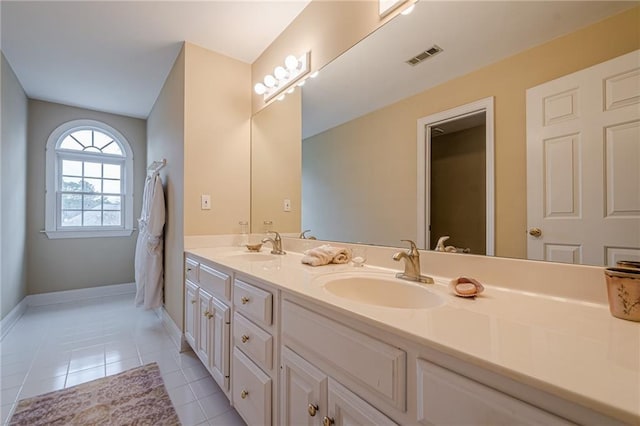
<point x="260" y="88"/>
<point x="280" y="73"/>
<point x="315" y="74"/>
<point x="293" y="89"/>
<point x="302" y="82"/>
<point x="269" y="80"/>
<point x="408" y="10"/>
<point x="281" y="97"/>
<point x="291" y="62"/>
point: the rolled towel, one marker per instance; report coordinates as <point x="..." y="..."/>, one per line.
<point x="326" y="254"/>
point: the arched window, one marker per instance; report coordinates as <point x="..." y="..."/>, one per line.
<point x="89" y="172"/>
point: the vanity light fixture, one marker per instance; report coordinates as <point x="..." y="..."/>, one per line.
<point x="284" y="77"/>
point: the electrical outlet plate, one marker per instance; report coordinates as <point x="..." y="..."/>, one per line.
<point x="287" y="205"/>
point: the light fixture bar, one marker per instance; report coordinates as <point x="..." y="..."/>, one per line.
<point x="284" y="77"/>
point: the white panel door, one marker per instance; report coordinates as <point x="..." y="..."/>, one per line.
<point x="348" y="409"/>
<point x="190" y="313"/>
<point x="583" y="165"/>
<point x="203" y="342"/>
<point x="219" y="332"/>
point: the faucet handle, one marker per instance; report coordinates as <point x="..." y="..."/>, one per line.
<point x="413" y="251"/>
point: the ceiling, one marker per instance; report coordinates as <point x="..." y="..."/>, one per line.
<point x="473" y="34"/>
<point x="115" y="56"/>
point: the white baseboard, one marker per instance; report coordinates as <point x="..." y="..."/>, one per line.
<point x="172" y="328"/>
<point x="12" y="317"/>
<point x="61" y="297"/>
<point x="80" y="294"/>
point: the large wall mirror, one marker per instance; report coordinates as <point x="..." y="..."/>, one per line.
<point x="363" y="122"/>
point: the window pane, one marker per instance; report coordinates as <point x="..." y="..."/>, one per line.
<point x="71" y="201"/>
<point x="70" y="143"/>
<point x="92" y="202"/>
<point x="71" y="218"/>
<point x="112" y="218"/>
<point x="71" y="168"/>
<point x="92" y="218"/>
<point x="92" y="169"/>
<point x="111" y="186"/>
<point x="112" y="203"/>
<point x="83" y="136"/>
<point x="112" y="148"/>
<point x="71" y="184"/>
<point x="92" y="185"/>
<point x="92" y="149"/>
<point x="100" y="139"/>
<point x="112" y="171"/>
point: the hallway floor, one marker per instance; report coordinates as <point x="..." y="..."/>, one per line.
<point x="56" y="346"/>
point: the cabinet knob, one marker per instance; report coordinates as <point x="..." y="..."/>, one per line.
<point x="312" y="409"/>
<point x="188" y="269"/>
<point x="209" y="315"/>
<point x="327" y="421"/>
<point x="244" y="300"/>
<point x="205" y="314"/>
<point x="244" y="394"/>
<point x="245" y="338"/>
<point x="193" y="302"/>
<point x="535" y="232"/>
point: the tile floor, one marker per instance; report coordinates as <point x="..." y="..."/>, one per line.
<point x="56" y="346"/>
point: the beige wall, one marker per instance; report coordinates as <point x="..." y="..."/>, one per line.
<point x="217" y="141"/>
<point x="326" y="28"/>
<point x="201" y="124"/>
<point x="165" y="139"/>
<point x="386" y="139"/>
<point x="68" y="264"/>
<point x="275" y="165"/>
<point x="13" y="199"/>
<point x="458" y="207"/>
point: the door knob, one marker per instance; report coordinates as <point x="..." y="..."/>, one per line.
<point x="327" y="421"/>
<point x="312" y="409"/>
<point x="244" y="394"/>
<point x="535" y="232"/>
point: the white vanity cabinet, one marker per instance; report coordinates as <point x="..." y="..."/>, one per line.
<point x="208" y="317"/>
<point x="254" y="336"/>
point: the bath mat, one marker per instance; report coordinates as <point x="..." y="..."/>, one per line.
<point x="133" y="397"/>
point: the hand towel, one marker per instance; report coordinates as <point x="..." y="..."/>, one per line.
<point x="326" y="254"/>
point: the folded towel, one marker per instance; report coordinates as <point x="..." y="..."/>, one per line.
<point x="326" y="254"/>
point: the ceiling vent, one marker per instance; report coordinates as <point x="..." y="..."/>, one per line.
<point x="434" y="50"/>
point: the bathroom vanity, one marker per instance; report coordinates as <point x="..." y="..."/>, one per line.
<point x="290" y="346"/>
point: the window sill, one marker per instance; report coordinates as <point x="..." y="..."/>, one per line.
<point x="54" y="235"/>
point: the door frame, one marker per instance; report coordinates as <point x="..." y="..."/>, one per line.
<point x="424" y="170"/>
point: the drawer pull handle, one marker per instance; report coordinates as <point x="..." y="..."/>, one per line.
<point x="244" y="394"/>
<point x="245" y="338"/>
<point x="244" y="300"/>
<point x="327" y="421"/>
<point x="312" y="409"/>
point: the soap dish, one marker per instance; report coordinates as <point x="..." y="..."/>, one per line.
<point x="254" y="247"/>
<point x="466" y="287"/>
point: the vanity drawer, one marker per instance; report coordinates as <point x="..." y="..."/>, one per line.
<point x="191" y="270"/>
<point x="364" y="364"/>
<point x="251" y="390"/>
<point x="215" y="281"/>
<point x="254" y="302"/>
<point x="253" y="341"/>
<point x="445" y="397"/>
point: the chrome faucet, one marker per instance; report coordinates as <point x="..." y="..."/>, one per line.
<point x="304" y="237"/>
<point x="411" y="265"/>
<point x="275" y="242"/>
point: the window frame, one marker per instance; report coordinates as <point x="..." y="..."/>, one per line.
<point x="53" y="169"/>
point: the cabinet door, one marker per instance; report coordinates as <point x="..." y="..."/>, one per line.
<point x="303" y="392"/>
<point x="219" y="326"/>
<point x="203" y="342"/>
<point x="191" y="313"/>
<point x="347" y="408"/>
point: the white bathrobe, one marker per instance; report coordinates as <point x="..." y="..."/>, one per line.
<point x="149" y="247"/>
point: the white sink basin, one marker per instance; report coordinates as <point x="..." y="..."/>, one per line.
<point x="383" y="291"/>
<point x="253" y="257"/>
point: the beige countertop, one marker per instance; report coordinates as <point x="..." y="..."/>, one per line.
<point x="569" y="348"/>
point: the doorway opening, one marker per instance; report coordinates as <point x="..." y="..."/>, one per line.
<point x="455" y="178"/>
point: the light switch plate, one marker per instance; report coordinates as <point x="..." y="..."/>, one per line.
<point x="287" y="205"/>
<point x="205" y="202"/>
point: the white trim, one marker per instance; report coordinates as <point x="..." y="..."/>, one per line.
<point x="12" y="317"/>
<point x="51" y="166"/>
<point x="80" y="294"/>
<point x="177" y="336"/>
<point x="54" y="235"/>
<point x="424" y="140"/>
